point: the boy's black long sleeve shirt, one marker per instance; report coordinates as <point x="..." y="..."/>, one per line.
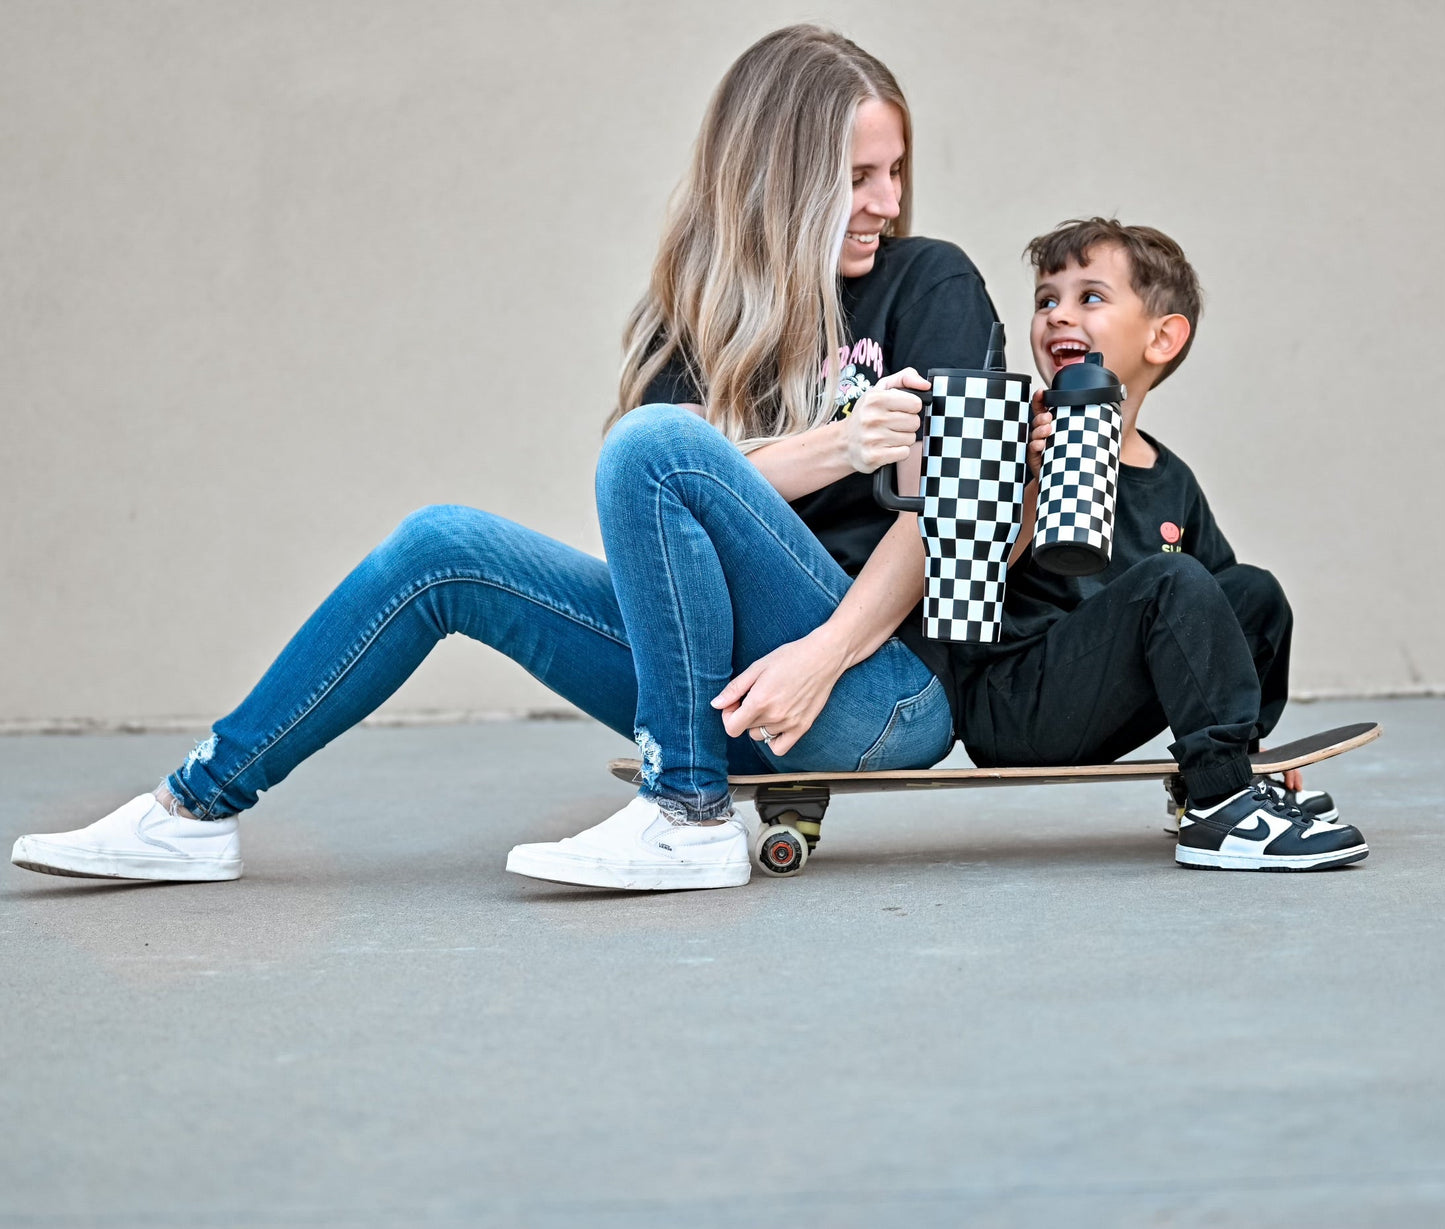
<point x="1161" y="508"/>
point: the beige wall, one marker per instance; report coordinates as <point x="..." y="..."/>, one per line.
<point x="276" y="273"/>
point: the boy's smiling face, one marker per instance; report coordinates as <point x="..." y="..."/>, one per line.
<point x="1095" y="307"/>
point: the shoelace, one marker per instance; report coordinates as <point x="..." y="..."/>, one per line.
<point x="1278" y="806"/>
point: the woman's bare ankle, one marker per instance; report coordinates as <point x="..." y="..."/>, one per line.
<point x="171" y="802"/>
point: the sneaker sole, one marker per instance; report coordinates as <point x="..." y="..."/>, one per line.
<point x="1206" y="859"/>
<point x="34" y="855"/>
<point x="629" y="877"/>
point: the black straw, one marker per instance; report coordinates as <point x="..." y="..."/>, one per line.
<point x="994" y="361"/>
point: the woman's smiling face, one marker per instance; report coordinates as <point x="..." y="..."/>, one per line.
<point x="878" y="150"/>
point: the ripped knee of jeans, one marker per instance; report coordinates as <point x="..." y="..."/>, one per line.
<point x="651" y="751"/>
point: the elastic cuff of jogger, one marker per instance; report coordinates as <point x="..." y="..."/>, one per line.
<point x="1219" y="778"/>
<point x="688" y="813"/>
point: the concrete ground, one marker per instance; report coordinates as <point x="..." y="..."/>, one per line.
<point x="995" y="1007"/>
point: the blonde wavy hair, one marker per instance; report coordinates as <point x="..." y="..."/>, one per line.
<point x="745" y="286"/>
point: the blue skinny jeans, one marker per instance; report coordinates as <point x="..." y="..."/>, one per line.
<point x="708" y="569"/>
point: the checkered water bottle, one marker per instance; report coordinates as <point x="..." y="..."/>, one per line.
<point x="1079" y="478"/>
<point x="976" y="428"/>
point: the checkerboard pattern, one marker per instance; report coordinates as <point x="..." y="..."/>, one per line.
<point x="1079" y="481"/>
<point x="974" y="471"/>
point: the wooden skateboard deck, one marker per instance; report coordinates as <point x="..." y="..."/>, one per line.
<point x="792" y="804"/>
<point x="1303" y="751"/>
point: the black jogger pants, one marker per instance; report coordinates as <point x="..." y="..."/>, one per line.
<point x="1166" y="644"/>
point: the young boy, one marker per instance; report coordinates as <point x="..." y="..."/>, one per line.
<point x="1174" y="632"/>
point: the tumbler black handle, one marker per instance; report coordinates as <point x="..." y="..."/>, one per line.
<point x="885" y="477"/>
<point x="885" y="491"/>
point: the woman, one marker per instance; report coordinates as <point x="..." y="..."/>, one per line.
<point x="786" y="317"/>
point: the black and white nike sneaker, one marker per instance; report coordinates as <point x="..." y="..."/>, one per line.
<point x="1313" y="802"/>
<point x="1253" y="831"/>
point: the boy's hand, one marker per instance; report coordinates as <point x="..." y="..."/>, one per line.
<point x="1043" y="427"/>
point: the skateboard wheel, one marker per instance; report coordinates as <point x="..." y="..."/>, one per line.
<point x="781" y="850"/>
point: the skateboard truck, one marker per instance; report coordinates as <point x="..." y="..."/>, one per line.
<point x="1178" y="802"/>
<point x="792" y="818"/>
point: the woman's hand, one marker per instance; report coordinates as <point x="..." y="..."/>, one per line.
<point x="1043" y="427"/>
<point x="782" y="693"/>
<point x="884" y="423"/>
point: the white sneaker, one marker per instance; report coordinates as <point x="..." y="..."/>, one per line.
<point x="141" y="840"/>
<point x="642" y="850"/>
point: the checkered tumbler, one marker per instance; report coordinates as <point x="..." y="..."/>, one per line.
<point x="1079" y="478"/>
<point x="974" y="473"/>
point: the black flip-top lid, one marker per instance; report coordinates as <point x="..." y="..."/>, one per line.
<point x="1084" y="383"/>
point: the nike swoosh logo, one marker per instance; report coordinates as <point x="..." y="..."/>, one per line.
<point x="1258" y="828"/>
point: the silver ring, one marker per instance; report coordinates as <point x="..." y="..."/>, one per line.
<point x="767" y="738"/>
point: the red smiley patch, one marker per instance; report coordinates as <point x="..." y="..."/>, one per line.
<point x="1170" y="532"/>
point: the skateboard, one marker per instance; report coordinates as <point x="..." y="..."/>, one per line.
<point x="792" y="804"/>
